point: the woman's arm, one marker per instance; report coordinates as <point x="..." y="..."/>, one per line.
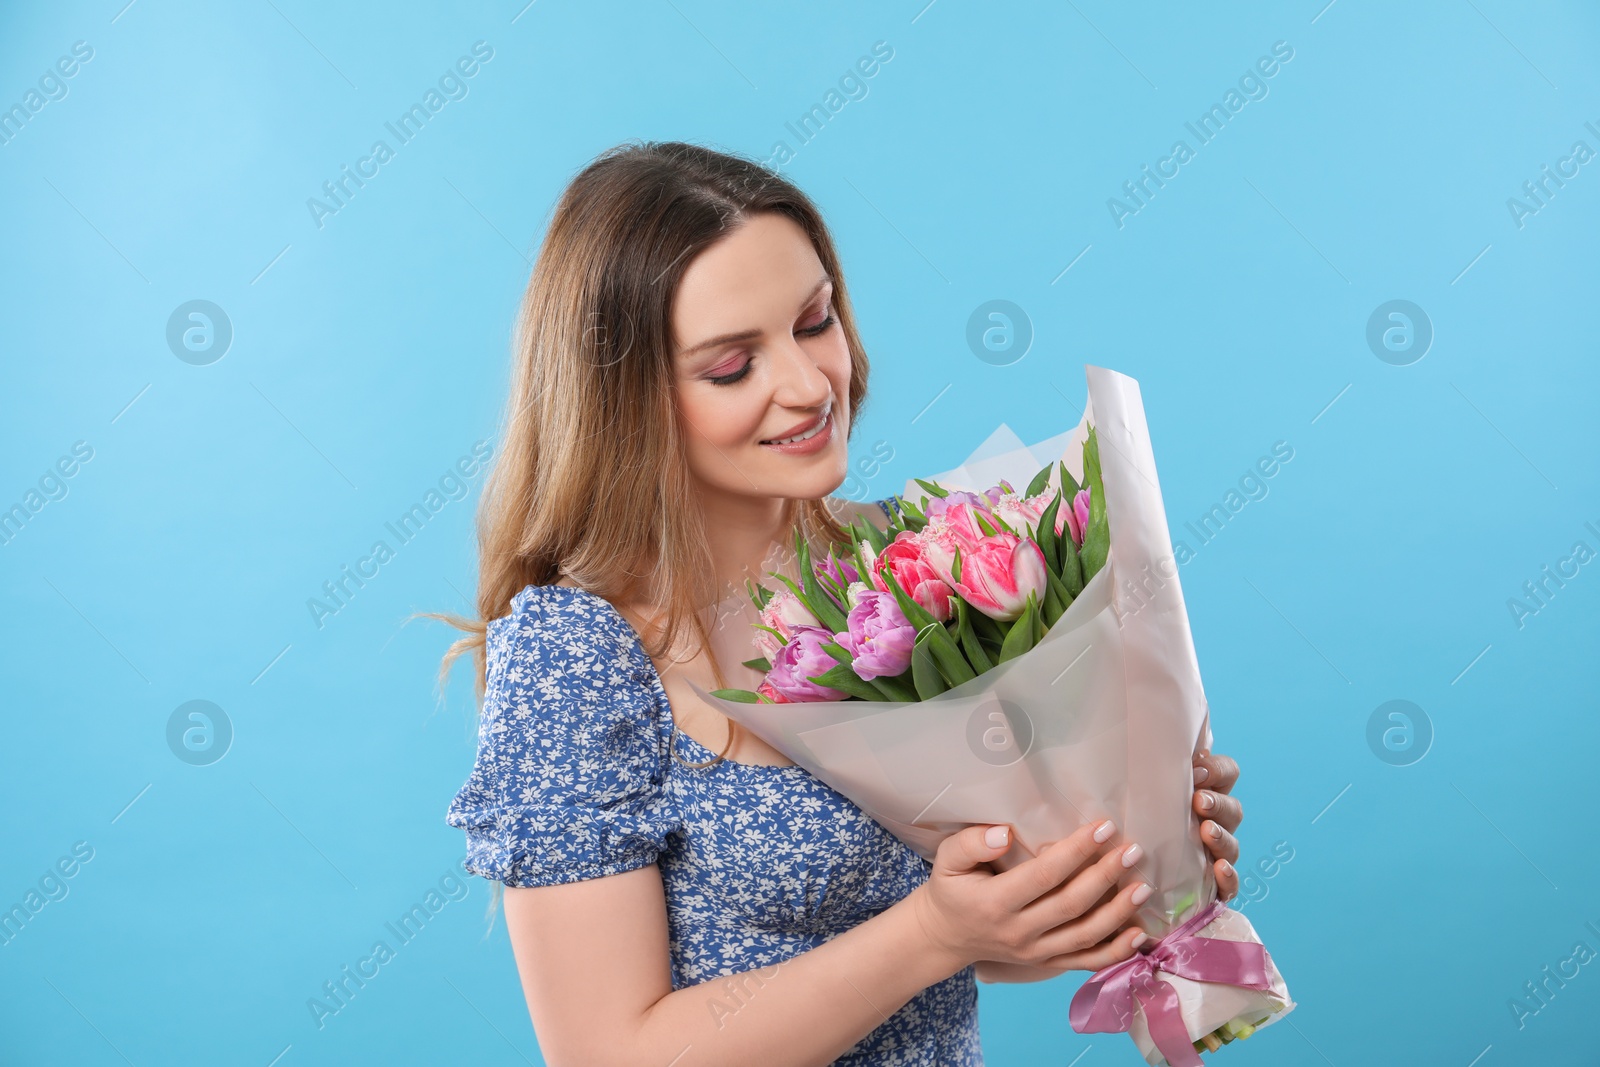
<point x="593" y="956"/>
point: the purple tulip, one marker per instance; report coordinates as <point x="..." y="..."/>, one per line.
<point x="981" y="501"/>
<point x="879" y="639"/>
<point x="837" y="570"/>
<point x="798" y="661"/>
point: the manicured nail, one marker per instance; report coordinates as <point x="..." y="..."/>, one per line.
<point x="1208" y="800"/>
<point x="1142" y="894"/>
<point x="1131" y="854"/>
<point x="1215" y="831"/>
<point x="1227" y="868"/>
<point x="1103" y="832"/>
<point x="1140" y="938"/>
<point x="996" y="836"/>
<point x="1201" y="774"/>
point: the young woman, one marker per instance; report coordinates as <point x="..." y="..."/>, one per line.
<point x="687" y="376"/>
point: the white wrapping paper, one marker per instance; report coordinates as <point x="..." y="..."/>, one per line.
<point x="1101" y="719"/>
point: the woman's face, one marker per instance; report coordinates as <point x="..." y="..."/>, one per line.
<point x="760" y="356"/>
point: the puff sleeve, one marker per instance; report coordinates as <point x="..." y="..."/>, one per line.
<point x="570" y="774"/>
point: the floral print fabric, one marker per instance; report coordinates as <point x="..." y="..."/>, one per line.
<point x="575" y="778"/>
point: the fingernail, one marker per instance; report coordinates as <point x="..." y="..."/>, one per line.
<point x="1142" y="894"/>
<point x="1140" y="938"/>
<point x="996" y="836"/>
<point x="1104" y="831"/>
<point x="1208" y="800"/>
<point x="1131" y="854"/>
<point x="1215" y="831"/>
<point x="1201" y="774"/>
<point x="1227" y="868"/>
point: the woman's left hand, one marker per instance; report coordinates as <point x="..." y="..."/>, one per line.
<point x="1220" y="815"/>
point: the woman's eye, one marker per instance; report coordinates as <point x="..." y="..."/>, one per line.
<point x="812" y="331"/>
<point x="729" y="379"/>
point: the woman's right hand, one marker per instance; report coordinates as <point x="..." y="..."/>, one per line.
<point x="1060" y="910"/>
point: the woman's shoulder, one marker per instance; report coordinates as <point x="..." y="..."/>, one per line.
<point x="566" y="612"/>
<point x="565" y="658"/>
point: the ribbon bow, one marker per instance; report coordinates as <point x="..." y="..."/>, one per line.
<point x="1104" y="1004"/>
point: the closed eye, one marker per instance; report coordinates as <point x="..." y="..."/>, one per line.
<point x="827" y="320"/>
<point x="810" y="331"/>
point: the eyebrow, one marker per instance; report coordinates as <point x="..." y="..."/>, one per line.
<point x="749" y="335"/>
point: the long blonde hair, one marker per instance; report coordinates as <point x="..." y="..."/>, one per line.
<point x="590" y="481"/>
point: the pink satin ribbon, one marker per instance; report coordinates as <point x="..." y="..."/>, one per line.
<point x="1104" y="1004"/>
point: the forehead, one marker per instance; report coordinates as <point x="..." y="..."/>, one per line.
<point x="754" y="273"/>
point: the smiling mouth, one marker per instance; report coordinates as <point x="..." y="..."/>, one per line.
<point x="822" y="424"/>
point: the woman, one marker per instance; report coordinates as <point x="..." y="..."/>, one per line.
<point x="687" y="376"/>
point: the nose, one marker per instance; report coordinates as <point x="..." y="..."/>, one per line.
<point x="800" y="382"/>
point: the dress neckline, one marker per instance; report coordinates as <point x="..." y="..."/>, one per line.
<point x="661" y="690"/>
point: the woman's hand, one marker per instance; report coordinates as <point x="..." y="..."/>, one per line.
<point x="1220" y="815"/>
<point x="1061" y="910"/>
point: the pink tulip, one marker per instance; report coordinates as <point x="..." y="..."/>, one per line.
<point x="1080" y="517"/>
<point x="783" y="613"/>
<point x="998" y="571"/>
<point x="902" y="557"/>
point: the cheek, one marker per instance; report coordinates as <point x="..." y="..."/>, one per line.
<point x="715" y="418"/>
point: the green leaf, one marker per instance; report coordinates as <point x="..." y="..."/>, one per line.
<point x="1045" y="536"/>
<point x="969" y="637"/>
<point x="952" y="664"/>
<point x="895" y="689"/>
<point x="758" y="664"/>
<point x="1039" y="627"/>
<point x="847" y="681"/>
<point x="820" y="603"/>
<point x="955" y="564"/>
<point x="878" y="539"/>
<point x="1039" y="482"/>
<point x="1062" y="595"/>
<point x="1069" y="484"/>
<point x="838" y="652"/>
<point x="1051" y="607"/>
<point x="741" y="696"/>
<point x="982" y="525"/>
<point x="1020" y="639"/>
<point x="1071" y="565"/>
<point x="1097" y="532"/>
<point x="924" y="671"/>
<point x="988" y="630"/>
<point x="932" y="487"/>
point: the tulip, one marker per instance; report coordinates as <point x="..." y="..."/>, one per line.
<point x="783" y="613"/>
<point x="838" y="570"/>
<point x="902" y="557"/>
<point x="998" y="570"/>
<point x="879" y="639"/>
<point x="1080" y="517"/>
<point x="939" y="505"/>
<point x="800" y="660"/>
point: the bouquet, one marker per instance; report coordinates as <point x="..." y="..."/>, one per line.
<point x="992" y="656"/>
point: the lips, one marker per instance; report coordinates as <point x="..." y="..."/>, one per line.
<point x="809" y="424"/>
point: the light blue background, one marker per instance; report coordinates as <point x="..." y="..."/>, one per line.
<point x="369" y="354"/>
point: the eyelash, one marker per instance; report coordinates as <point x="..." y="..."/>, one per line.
<point x="810" y="331"/>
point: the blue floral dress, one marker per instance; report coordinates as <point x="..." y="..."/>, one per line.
<point x="576" y="777"/>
